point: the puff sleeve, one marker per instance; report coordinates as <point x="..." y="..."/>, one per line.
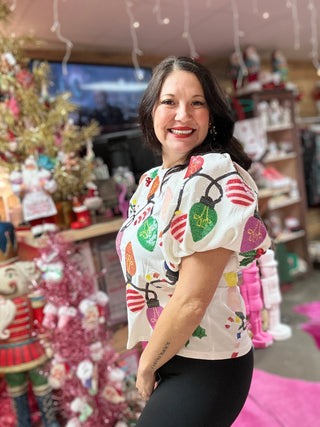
<point x="210" y="205"/>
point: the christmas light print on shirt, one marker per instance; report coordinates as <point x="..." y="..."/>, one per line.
<point x="237" y="322"/>
<point x="139" y="297"/>
<point x="148" y="233"/>
<point x="239" y="192"/>
<point x="203" y="216"/>
<point x="254" y="234"/>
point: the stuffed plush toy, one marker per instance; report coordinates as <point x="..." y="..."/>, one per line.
<point x="21" y="353"/>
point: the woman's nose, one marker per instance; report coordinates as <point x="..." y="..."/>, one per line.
<point x="182" y="112"/>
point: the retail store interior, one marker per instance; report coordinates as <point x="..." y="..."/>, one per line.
<point x="72" y="75"/>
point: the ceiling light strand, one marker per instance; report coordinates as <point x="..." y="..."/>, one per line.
<point x="157" y="11"/>
<point x="314" y="36"/>
<point x="296" y="25"/>
<point x="255" y="7"/>
<point x="13" y="5"/>
<point x="56" y="28"/>
<point x="135" y="50"/>
<point x="236" y="41"/>
<point x="186" y="31"/>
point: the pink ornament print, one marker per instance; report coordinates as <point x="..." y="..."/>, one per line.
<point x="254" y="234"/>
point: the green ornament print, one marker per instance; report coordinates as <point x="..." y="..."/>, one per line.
<point x="147" y="234"/>
<point x="202" y="219"/>
<point x="200" y="332"/>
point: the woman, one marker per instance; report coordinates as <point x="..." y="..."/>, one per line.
<point x="192" y="224"/>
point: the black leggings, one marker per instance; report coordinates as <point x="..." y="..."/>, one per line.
<point x="199" y="393"/>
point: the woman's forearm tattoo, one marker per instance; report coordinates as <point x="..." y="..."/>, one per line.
<point x="165" y="348"/>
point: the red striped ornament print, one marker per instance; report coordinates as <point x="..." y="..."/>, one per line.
<point x="135" y="301"/>
<point x="239" y="193"/>
<point x="178" y="226"/>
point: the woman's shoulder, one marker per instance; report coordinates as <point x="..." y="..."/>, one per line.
<point x="218" y="166"/>
<point x="210" y="163"/>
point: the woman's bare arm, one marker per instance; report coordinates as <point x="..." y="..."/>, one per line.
<point x="199" y="276"/>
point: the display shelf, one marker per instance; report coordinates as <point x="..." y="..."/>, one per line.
<point x="271" y="192"/>
<point x="289" y="237"/>
<point x="276" y="205"/>
<point x="280" y="158"/>
<point x="287" y="201"/>
<point x="95" y="230"/>
<point x="277" y="128"/>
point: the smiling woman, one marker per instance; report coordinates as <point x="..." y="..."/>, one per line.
<point x="186" y="237"/>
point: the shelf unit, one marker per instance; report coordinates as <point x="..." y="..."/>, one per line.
<point x="281" y="202"/>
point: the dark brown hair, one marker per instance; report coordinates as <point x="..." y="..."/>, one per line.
<point x="219" y="111"/>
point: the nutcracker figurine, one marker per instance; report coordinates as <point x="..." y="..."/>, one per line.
<point x="21" y="353"/>
<point x="252" y="294"/>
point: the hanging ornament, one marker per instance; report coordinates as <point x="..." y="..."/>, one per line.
<point x="202" y="218"/>
<point x="147" y="234"/>
<point x="157" y="11"/>
<point x="135" y="301"/>
<point x="56" y="29"/>
<point x="130" y="261"/>
<point x="314" y="35"/>
<point x="195" y="164"/>
<point x="178" y="226"/>
<point x="186" y="33"/>
<point x="135" y="50"/>
<point x="239" y="193"/>
<point x="295" y="19"/>
<point x="236" y="34"/>
<point x="153" y="311"/>
<point x="154" y="187"/>
<point x="253" y="235"/>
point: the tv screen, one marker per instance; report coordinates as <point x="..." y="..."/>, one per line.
<point x="109" y="94"/>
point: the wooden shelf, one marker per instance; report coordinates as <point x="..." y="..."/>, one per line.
<point x="287" y="201"/>
<point x="289" y="237"/>
<point x="271" y="192"/>
<point x="95" y="230"/>
<point x="280" y="158"/>
<point x="277" y="128"/>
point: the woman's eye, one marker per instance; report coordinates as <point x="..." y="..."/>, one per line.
<point x="199" y="103"/>
<point x="167" y="102"/>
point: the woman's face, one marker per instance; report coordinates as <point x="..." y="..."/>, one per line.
<point x="180" y="116"/>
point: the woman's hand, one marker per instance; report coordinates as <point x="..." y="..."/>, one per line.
<point x="146" y="382"/>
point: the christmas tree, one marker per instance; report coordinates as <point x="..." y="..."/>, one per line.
<point x="84" y="369"/>
<point x="34" y="124"/>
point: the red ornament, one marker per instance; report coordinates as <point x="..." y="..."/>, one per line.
<point x="195" y="164"/>
<point x="24" y="78"/>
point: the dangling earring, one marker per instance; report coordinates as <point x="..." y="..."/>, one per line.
<point x="212" y="131"/>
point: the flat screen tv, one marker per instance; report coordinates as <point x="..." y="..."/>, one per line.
<point x="110" y="94"/>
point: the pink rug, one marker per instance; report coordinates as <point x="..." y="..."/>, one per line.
<point x="312" y="326"/>
<point x="311" y="310"/>
<point x="275" y="401"/>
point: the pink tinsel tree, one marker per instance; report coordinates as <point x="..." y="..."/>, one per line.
<point x="83" y="369"/>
